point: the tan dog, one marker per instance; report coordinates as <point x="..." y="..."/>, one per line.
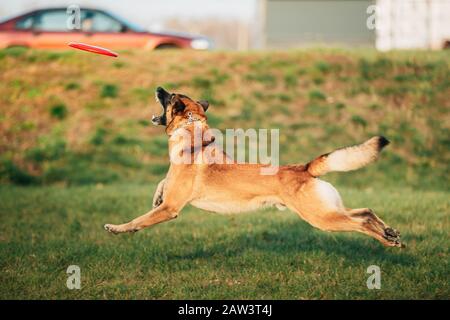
<point x="231" y="188"/>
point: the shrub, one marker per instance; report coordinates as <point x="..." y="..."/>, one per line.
<point x="318" y="110"/>
<point x="144" y="123"/>
<point x="373" y="70"/>
<point x="50" y="150"/>
<point x="15" y="51"/>
<point x="360" y="121"/>
<point x="219" y="78"/>
<point x="118" y="64"/>
<point x="317" y="95"/>
<point x="340" y="105"/>
<point x="109" y="91"/>
<point x="290" y="80"/>
<point x="58" y="111"/>
<point x="265" y="78"/>
<point x="33" y="93"/>
<point x="323" y="67"/>
<point x="209" y="96"/>
<point x="201" y="83"/>
<point x="99" y="136"/>
<point x="72" y="86"/>
<point x="318" y="80"/>
<point x="284" y="97"/>
<point x="248" y="111"/>
<point x="122" y="140"/>
<point x="258" y="95"/>
<point x="15" y="174"/>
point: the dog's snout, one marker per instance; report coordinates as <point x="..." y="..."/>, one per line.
<point x="156" y="120"/>
<point x="159" y="120"/>
<point x="163" y="96"/>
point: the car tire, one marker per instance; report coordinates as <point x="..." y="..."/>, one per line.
<point x="166" y="46"/>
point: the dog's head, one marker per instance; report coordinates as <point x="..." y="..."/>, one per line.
<point x="178" y="109"/>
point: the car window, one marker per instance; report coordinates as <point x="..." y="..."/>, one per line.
<point x="55" y="20"/>
<point x="24" y="23"/>
<point x="93" y="21"/>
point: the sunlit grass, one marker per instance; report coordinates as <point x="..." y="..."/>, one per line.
<point x="266" y="254"/>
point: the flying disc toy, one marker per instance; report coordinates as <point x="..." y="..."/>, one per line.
<point x="93" y="49"/>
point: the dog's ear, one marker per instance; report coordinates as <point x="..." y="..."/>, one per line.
<point x="179" y="106"/>
<point x="204" y="104"/>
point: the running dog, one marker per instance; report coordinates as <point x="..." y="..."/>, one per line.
<point x="233" y="188"/>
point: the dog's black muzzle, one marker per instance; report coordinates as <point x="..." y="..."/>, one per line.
<point x="163" y="98"/>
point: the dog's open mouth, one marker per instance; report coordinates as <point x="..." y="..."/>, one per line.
<point x="161" y="96"/>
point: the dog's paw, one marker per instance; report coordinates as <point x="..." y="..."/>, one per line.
<point x="393" y="238"/>
<point x="389" y="232"/>
<point x="111" y="228"/>
<point x="115" y="229"/>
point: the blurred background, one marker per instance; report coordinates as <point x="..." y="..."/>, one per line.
<point x="326" y="73"/>
<point x="256" y="24"/>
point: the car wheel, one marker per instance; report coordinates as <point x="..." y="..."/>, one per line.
<point x="167" y="46"/>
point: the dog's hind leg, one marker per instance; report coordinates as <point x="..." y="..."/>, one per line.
<point x="319" y="203"/>
<point x="376" y="227"/>
<point x="159" y="194"/>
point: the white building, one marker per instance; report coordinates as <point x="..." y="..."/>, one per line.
<point x="384" y="24"/>
<point x="412" y="24"/>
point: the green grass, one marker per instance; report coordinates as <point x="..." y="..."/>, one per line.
<point x="266" y="254"/>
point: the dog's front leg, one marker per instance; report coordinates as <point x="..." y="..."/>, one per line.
<point x="159" y="194"/>
<point x="174" y="199"/>
<point x="160" y="214"/>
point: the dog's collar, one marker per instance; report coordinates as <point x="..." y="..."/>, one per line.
<point x="191" y="119"/>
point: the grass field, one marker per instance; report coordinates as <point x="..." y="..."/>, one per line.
<point x="77" y="150"/>
<point x="266" y="255"/>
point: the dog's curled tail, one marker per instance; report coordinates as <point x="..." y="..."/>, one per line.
<point x="349" y="158"/>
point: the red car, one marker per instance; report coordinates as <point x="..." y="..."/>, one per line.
<point x="51" y="28"/>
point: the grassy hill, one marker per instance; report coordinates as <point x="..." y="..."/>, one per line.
<point x="78" y="118"/>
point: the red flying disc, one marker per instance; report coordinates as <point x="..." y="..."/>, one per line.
<point x="94" y="49"/>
